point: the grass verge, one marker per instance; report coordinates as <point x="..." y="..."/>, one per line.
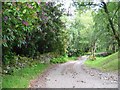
<point x="21" y="78"/>
<point x="109" y="63"/>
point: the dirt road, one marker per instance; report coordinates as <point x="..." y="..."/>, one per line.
<point x="74" y="74"/>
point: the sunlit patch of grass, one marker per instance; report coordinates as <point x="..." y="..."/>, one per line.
<point x="109" y="63"/>
<point x="21" y="78"/>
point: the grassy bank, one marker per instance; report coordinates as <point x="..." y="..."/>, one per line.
<point x="21" y="78"/>
<point x="109" y="63"/>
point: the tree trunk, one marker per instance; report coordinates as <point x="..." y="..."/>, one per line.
<point x="93" y="49"/>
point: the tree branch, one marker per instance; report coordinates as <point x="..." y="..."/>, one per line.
<point x="115" y="12"/>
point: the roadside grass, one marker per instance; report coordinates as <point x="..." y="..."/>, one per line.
<point x="108" y="63"/>
<point x="21" y="78"/>
<point x="62" y="59"/>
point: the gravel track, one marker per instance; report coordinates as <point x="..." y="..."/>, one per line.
<point x="74" y="74"/>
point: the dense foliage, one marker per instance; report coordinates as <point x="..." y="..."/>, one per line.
<point x="100" y="29"/>
<point x="32" y="27"/>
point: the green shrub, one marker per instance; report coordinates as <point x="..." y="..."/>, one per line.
<point x="20" y="62"/>
<point x="62" y="59"/>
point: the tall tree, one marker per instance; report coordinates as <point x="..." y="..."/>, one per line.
<point x="110" y="19"/>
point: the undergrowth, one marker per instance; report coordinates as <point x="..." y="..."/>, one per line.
<point x="62" y="59"/>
